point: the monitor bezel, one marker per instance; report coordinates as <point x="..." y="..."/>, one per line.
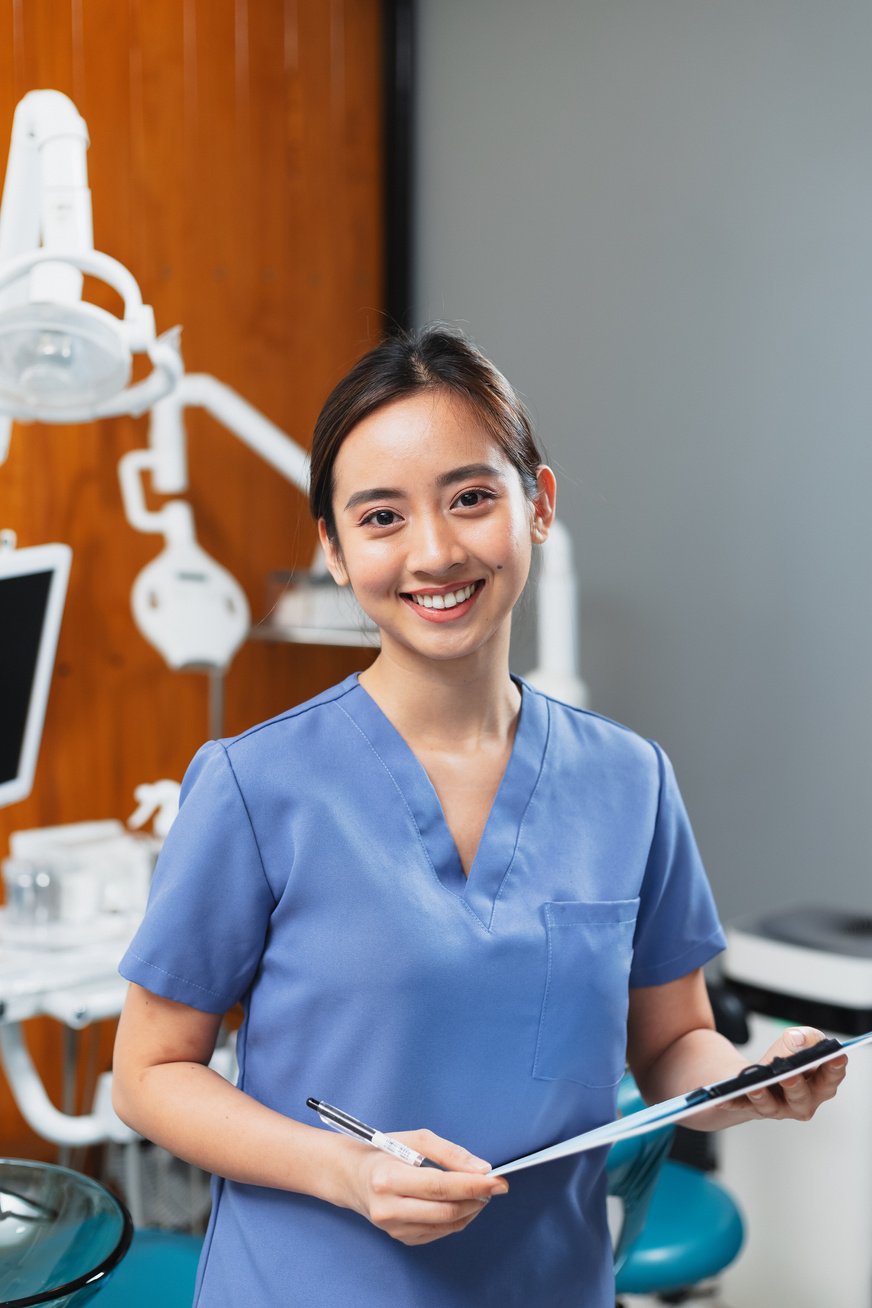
<point x="55" y="559"/>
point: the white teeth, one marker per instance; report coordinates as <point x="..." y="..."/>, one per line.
<point x="446" y="601"/>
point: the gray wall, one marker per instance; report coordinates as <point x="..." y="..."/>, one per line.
<point x="656" y="215"/>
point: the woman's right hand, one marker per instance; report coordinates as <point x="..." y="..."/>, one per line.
<point x="418" y="1204"/>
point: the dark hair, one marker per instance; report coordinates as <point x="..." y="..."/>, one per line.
<point x="434" y="358"/>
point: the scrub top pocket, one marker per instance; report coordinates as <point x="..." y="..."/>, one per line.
<point x="583" y="1024"/>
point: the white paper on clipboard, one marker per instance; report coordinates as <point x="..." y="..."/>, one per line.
<point x="666" y="1113"/>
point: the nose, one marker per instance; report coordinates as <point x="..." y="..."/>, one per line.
<point x="434" y="548"/>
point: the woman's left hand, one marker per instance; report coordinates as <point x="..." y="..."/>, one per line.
<point x="799" y="1096"/>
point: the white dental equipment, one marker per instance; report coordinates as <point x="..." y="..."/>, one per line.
<point x="184" y="603"/>
<point x="63" y="359"/>
<point x="556" y="673"/>
<point x="156" y="802"/>
<point x="59" y="879"/>
<point x="33" y="585"/>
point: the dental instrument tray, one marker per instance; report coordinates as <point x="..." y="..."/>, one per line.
<point x="308" y="608"/>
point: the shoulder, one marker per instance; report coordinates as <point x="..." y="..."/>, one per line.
<point x="301" y="717"/>
<point x="592" y="736"/>
<point x="297" y="739"/>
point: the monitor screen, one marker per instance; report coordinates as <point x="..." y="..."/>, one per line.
<point x="33" y="584"/>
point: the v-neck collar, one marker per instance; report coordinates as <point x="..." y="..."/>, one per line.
<point x="493" y="859"/>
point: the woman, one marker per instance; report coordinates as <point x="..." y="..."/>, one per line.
<point x="443" y="899"/>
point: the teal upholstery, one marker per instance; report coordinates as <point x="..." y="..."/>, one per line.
<point x="680" y="1227"/>
<point x="692" y="1231"/>
<point x="159" y="1269"/>
<point x="633" y="1166"/>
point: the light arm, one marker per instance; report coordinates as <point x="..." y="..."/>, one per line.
<point x="248" y="424"/>
<point x="46" y="200"/>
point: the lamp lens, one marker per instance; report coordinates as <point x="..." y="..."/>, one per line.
<point x="55" y="356"/>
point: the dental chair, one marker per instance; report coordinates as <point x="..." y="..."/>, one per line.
<point x="161" y="1268"/>
<point x="680" y="1228"/>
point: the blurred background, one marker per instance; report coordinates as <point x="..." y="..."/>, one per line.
<point x="656" y="218"/>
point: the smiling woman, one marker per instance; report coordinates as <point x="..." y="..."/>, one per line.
<point x="444" y="900"/>
<point x="445" y="542"/>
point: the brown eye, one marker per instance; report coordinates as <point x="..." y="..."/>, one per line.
<point x="470" y="499"/>
<point x="381" y="518"/>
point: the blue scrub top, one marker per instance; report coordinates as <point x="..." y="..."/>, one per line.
<point x="310" y="875"/>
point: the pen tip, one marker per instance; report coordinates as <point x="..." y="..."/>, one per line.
<point x="313" y="1103"/>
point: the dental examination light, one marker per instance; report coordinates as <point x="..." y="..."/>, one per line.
<point x="185" y="604"/>
<point x="188" y="606"/>
<point x="62" y="359"/>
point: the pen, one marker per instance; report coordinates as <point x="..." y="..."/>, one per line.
<point x="349" y="1125"/>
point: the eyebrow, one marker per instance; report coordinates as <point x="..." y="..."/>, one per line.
<point x="443" y="480"/>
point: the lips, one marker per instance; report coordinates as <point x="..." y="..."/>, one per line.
<point x="443" y="599"/>
<point x="443" y="605"/>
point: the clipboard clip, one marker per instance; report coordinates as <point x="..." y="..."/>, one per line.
<point x="759" y="1072"/>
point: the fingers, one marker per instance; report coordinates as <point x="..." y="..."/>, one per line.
<point x="401" y="1214"/>
<point x="445" y="1152"/>
<point x="426" y="1183"/>
<point x="797" y="1097"/>
<point x="418" y="1204"/>
<point x="794" y="1039"/>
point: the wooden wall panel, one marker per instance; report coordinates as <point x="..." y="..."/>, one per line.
<point x="236" y="169"/>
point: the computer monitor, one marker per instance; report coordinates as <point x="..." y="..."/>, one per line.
<point x="33" y="586"/>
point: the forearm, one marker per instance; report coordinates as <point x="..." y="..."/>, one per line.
<point x="197" y="1115"/>
<point x="701" y="1057"/>
<point x="696" y="1058"/>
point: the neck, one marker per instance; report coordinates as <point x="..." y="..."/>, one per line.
<point x="451" y="704"/>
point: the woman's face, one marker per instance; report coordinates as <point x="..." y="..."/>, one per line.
<point x="434" y="529"/>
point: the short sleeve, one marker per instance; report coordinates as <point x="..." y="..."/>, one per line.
<point x="204" y="929"/>
<point x="677" y="929"/>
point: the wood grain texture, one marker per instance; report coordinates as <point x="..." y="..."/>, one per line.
<point x="236" y="168"/>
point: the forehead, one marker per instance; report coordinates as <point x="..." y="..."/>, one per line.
<point x="419" y="436"/>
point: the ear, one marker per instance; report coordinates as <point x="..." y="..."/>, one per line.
<point x="543" y="504"/>
<point x="332" y="554"/>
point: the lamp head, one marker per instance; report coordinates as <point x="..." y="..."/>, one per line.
<point x="60" y="356"/>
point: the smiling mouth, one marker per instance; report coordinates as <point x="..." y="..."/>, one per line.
<point x="446" y="599"/>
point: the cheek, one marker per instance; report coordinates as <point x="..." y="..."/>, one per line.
<point x="516" y="541"/>
<point x="369" y="569"/>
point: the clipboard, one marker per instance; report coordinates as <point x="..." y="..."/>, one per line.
<point x="671" y="1111"/>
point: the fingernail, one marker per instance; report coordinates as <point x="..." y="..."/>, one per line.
<point x="795" y="1037"/>
<point x="480" y="1165"/>
<point x="756" y="1095"/>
